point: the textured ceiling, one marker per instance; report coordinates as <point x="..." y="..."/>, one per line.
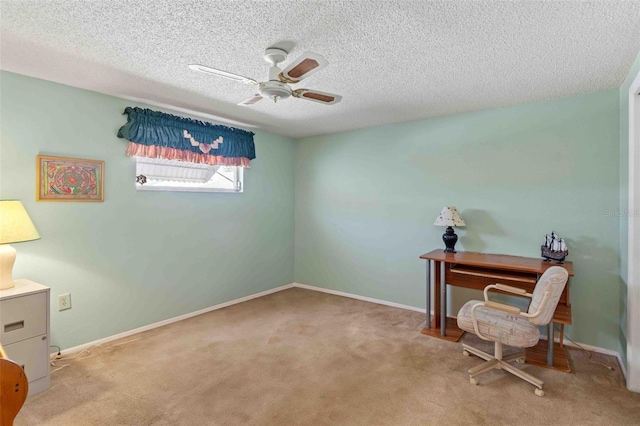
<point x="392" y="61"/>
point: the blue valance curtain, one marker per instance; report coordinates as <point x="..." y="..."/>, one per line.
<point x="155" y="134"/>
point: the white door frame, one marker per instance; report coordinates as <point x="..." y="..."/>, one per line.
<point x="633" y="217"/>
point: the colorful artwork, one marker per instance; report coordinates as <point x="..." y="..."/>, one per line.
<point x="69" y="179"/>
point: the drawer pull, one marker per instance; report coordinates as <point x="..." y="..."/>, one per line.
<point x="13" y="326"/>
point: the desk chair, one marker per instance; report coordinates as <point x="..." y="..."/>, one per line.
<point x="505" y="324"/>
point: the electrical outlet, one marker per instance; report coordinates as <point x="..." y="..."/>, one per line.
<point x="64" y="301"/>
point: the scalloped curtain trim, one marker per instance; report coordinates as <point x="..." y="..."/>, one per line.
<point x="152" y="151"/>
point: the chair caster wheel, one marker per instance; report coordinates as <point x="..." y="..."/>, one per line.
<point x="465" y="353"/>
<point x="520" y="360"/>
<point x="539" y="392"/>
<point x="473" y="381"/>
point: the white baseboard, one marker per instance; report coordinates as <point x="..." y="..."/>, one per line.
<point x="169" y="321"/>
<point x="355" y="296"/>
<point x="307" y="287"/>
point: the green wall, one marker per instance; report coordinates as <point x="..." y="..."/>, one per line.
<point x="624" y="201"/>
<point x="366" y="201"/>
<point x="137" y="257"/>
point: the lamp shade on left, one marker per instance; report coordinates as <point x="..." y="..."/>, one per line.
<point x="15" y="223"/>
<point x="15" y="227"/>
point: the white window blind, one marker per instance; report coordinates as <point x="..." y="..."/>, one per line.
<point x="156" y="174"/>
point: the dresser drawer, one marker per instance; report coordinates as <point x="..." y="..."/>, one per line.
<point x="23" y="317"/>
<point x="32" y="355"/>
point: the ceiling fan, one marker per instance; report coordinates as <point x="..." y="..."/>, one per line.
<point x="278" y="86"/>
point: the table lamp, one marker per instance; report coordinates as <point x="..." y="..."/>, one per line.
<point x="449" y="217"/>
<point x="15" y="227"/>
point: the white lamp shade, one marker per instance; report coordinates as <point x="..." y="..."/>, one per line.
<point x="15" y="223"/>
<point x="449" y="216"/>
<point x="15" y="227"/>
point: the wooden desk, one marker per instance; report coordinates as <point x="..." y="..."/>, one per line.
<point x="477" y="270"/>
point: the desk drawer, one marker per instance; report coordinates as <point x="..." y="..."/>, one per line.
<point x="32" y="355"/>
<point x="23" y="317"/>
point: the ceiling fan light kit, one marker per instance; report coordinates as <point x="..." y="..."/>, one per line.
<point x="275" y="90"/>
<point x="278" y="86"/>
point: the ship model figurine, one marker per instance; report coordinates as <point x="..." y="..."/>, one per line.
<point x="554" y="248"/>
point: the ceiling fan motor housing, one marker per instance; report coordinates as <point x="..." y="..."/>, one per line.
<point x="271" y="89"/>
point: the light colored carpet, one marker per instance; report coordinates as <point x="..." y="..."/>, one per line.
<point x="300" y="357"/>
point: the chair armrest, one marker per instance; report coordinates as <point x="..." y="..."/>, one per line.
<point x="502" y="307"/>
<point x="514" y="290"/>
<point x="506" y="288"/>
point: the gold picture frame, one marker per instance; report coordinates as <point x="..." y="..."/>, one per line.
<point x="69" y="179"/>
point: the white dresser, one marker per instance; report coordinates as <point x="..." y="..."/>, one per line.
<point x="24" y="330"/>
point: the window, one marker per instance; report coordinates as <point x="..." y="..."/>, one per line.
<point x="155" y="174"/>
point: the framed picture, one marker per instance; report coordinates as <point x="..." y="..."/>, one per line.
<point x="69" y="179"/>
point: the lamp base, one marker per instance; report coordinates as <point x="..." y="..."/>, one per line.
<point x="450" y="239"/>
<point x="7" y="259"/>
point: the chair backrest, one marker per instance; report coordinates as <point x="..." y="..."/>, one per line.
<point x="14" y="388"/>
<point x="553" y="280"/>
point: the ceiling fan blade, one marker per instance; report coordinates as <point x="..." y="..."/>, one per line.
<point x="317" y="96"/>
<point x="252" y="100"/>
<point x="221" y="73"/>
<point x="307" y="64"/>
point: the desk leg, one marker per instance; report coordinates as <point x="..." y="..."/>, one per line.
<point x="443" y="301"/>
<point x="437" y="326"/>
<point x="428" y="323"/>
<point x="550" y="343"/>
<point x="435" y="268"/>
